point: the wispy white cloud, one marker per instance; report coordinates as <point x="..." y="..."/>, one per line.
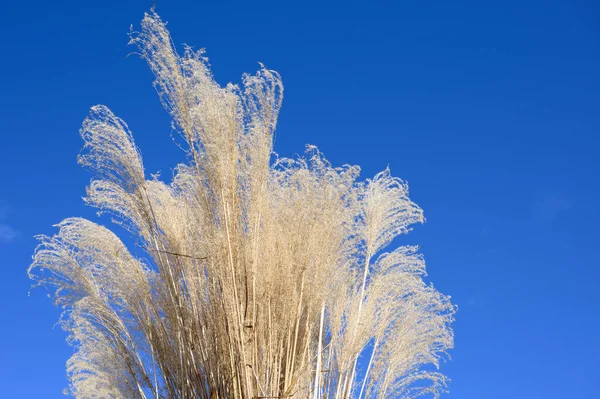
<point x="7" y="233"/>
<point x="550" y="206"/>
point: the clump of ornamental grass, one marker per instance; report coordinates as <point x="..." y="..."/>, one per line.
<point x="257" y="277"/>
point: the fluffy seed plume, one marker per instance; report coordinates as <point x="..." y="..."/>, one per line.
<point x="257" y="277"/>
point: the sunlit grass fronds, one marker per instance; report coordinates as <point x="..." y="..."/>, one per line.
<point x="260" y="277"/>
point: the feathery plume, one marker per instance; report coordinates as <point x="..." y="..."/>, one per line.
<point x="258" y="278"/>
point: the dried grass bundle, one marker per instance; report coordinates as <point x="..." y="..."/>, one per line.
<point x="261" y="279"/>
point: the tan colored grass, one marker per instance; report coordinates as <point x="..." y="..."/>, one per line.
<point x="261" y="278"/>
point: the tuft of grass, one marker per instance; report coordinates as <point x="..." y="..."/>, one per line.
<point x="260" y="279"/>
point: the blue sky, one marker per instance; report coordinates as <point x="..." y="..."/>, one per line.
<point x="489" y="109"/>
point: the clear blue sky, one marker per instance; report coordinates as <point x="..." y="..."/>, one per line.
<point x="489" y="109"/>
